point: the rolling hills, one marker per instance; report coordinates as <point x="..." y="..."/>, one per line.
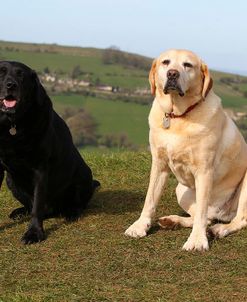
<point x="126" y="71"/>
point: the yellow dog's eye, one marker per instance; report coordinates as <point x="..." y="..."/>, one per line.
<point x="188" y="65"/>
<point x="166" y="62"/>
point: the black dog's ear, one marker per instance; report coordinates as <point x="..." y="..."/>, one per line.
<point x="41" y="95"/>
<point x="35" y="76"/>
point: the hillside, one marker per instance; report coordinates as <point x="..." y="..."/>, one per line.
<point x="92" y="260"/>
<point x="62" y="60"/>
<point x="85" y="77"/>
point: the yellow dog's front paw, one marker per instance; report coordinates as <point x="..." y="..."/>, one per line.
<point x="196" y="243"/>
<point x="139" y="228"/>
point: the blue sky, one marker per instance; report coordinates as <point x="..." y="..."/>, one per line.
<point x="214" y="29"/>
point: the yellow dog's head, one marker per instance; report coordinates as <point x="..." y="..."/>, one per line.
<point x="181" y="73"/>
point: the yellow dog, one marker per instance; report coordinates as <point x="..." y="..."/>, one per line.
<point x="193" y="137"/>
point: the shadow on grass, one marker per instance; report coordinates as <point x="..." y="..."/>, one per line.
<point x="154" y="229"/>
<point x="109" y="202"/>
<point x="54" y="227"/>
<point x="116" y="202"/>
<point x="13" y="223"/>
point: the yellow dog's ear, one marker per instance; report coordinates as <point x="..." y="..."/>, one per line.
<point x="207" y="80"/>
<point x="152" y="77"/>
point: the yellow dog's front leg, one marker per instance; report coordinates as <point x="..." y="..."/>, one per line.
<point x="198" y="237"/>
<point x="158" y="178"/>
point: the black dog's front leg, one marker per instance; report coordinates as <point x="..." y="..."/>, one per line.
<point x="35" y="232"/>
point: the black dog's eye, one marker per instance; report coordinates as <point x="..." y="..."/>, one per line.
<point x="188" y="65"/>
<point x="166" y="62"/>
<point x="3" y="70"/>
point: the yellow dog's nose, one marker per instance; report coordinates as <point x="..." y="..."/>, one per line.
<point x="173" y="74"/>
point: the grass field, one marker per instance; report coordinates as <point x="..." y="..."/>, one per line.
<point x="91" y="260"/>
<point x="237" y="103"/>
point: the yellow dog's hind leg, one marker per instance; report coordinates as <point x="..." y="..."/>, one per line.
<point x="240" y="220"/>
<point x="186" y="198"/>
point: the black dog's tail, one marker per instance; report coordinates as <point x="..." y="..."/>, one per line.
<point x="96" y="184"/>
<point x="73" y="213"/>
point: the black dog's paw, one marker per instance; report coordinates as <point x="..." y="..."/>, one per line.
<point x="19" y="213"/>
<point x="33" y="235"/>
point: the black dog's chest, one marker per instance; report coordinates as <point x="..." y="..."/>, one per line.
<point x="16" y="165"/>
<point x="16" y="156"/>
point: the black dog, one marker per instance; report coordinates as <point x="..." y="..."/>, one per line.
<point x="45" y="172"/>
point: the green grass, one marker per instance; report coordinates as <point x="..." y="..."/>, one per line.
<point x="237" y="102"/>
<point x="112" y="116"/>
<point x="91" y="260"/>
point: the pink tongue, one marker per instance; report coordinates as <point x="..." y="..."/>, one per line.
<point x="9" y="103"/>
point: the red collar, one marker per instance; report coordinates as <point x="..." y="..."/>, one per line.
<point x="172" y="115"/>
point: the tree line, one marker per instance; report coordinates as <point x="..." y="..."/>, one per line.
<point x="84" y="128"/>
<point x="112" y="55"/>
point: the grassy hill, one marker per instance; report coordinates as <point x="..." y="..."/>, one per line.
<point x="92" y="260"/>
<point x="64" y="59"/>
<point x="111" y="116"/>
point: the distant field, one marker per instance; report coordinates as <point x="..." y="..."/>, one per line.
<point x="112" y="116"/>
<point x="114" y="75"/>
<point x="65" y="58"/>
<point x="237" y="102"/>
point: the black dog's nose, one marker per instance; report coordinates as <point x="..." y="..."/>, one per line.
<point x="173" y="74"/>
<point x="11" y="84"/>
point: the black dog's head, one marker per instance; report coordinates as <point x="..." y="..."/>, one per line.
<point x="17" y="86"/>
